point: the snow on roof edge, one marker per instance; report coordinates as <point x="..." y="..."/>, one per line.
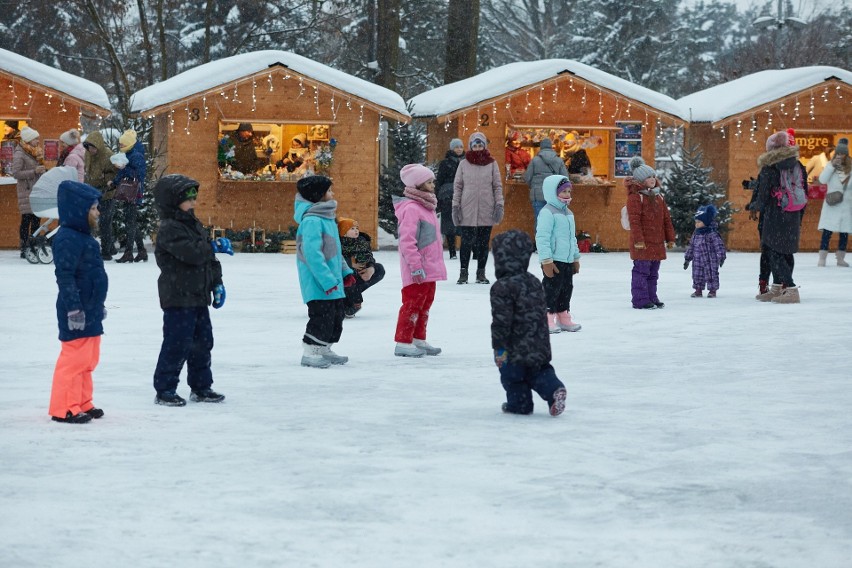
<point x="467" y="93"/>
<point x="38" y="73"/>
<point x="225" y="71"/>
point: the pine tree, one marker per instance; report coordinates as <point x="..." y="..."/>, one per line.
<point x="406" y="141"/>
<point x="686" y="187"/>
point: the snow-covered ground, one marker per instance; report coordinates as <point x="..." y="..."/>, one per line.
<point x="712" y="433"/>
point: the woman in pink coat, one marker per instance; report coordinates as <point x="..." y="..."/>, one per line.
<point x="72" y="153"/>
<point x="421" y="259"/>
<point x="477" y="204"/>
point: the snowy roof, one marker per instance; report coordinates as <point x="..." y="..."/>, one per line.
<point x="751" y="91"/>
<point x="210" y="76"/>
<point x="83" y="90"/>
<point x="502" y="80"/>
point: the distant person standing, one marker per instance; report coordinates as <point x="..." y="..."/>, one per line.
<point x="836" y="218"/>
<point x="27" y="167"/>
<point x="72" y="153"/>
<point x="444" y="181"/>
<point x="546" y="163"/>
<point x="135" y="170"/>
<point x="99" y="171"/>
<point x="818" y="162"/>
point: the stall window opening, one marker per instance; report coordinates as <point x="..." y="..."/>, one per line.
<point x="261" y="151"/>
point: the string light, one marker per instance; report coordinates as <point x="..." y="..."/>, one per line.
<point x="722" y="132"/>
<point x="615" y="112"/>
<point x="79" y="118"/>
<point x="171" y="120"/>
<point x="14" y="97"/>
<point x="379" y="135"/>
<point x="825" y="95"/>
<point x="583" y="100"/>
<point x="29" y="97"/>
<point x="301" y="88"/>
<point x="555" y="92"/>
<point x="253" y="97"/>
<point x="796" y="109"/>
<point x="463" y="125"/>
<point x="629" y="104"/>
<point x="646" y="118"/>
<point x="838" y="92"/>
<point x="224" y="96"/>
<point x="739" y="129"/>
<point x="188" y="118"/>
<point x="348" y="104"/>
<point x="600" y="106"/>
<point x="361" y="115"/>
<point x="527" y="97"/>
<point x="316" y="99"/>
<point x="571" y="85"/>
<point x="541" y="101"/>
<point x="752" y="130"/>
<point x="333" y="109"/>
<point x="62" y="104"/>
<point x="494" y="110"/>
<point x="811" y="112"/>
<point x="768" y="120"/>
<point x="236" y="96"/>
<point x="206" y="109"/>
<point x="783" y="110"/>
<point x="269" y="80"/>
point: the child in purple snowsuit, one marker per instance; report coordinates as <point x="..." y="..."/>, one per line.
<point x="706" y="251"/>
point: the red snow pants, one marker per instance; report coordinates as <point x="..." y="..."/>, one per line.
<point x="414" y="313"/>
<point x="72" y="378"/>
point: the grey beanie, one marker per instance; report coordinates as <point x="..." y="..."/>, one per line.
<point x="641" y="170"/>
<point x="546" y="144"/>
<point x="842" y="147"/>
<point x="456" y="143"/>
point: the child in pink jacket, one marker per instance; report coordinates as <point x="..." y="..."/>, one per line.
<point x="421" y="259"/>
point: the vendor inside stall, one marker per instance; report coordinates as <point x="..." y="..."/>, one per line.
<point x="585" y="152"/>
<point x="10" y="135"/>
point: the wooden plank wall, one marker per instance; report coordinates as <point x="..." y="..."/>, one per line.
<point x="269" y="205"/>
<point x="50" y="121"/>
<point x="597" y="210"/>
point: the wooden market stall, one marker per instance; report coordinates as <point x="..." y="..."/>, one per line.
<point x="335" y="118"/>
<point x="731" y="122"/>
<point x="574" y="105"/>
<point x="50" y="101"/>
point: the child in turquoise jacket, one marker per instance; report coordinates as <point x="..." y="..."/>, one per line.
<point x="323" y="273"/>
<point x="556" y="241"/>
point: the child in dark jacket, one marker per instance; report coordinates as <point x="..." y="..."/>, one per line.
<point x="519" y="334"/>
<point x="706" y="251"/>
<point x="358" y="254"/>
<point x="190" y="276"/>
<point x="80" y="309"/>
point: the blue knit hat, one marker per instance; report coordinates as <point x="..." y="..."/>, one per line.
<point x="456" y="143"/>
<point x="706" y="214"/>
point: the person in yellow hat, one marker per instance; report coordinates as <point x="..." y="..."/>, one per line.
<point x="135" y="170"/>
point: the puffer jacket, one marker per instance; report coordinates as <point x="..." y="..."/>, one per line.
<point x="546" y="163"/>
<point x="77" y="159"/>
<point x="99" y="170"/>
<point x="136" y="168"/>
<point x="518" y="306"/>
<point x="420" y="245"/>
<point x="188" y="267"/>
<point x="555" y="230"/>
<point x="319" y="259"/>
<point x="78" y="266"/>
<point x="650" y="221"/>
<point x="836" y="218"/>
<point x="781" y="229"/>
<point x="23" y="170"/>
<point x="477" y="195"/>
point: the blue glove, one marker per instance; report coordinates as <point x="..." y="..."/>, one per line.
<point x="221" y="244"/>
<point x="76" y="320"/>
<point x="219" y="296"/>
<point x="501" y="357"/>
<point x="419" y="276"/>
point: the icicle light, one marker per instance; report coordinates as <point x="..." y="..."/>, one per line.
<point x="14" y="104"/>
<point x="188" y="119"/>
<point x="583" y="100"/>
<point x="171" y="120"/>
<point x="811" y="111"/>
<point x="361" y="115"/>
<point x="253" y="96"/>
<point x="236" y="96"/>
<point x="600" y="106"/>
<point x="541" y="101"/>
<point x="269" y="80"/>
<point x="768" y="120"/>
<point x="301" y="88"/>
<point x="379" y="133"/>
<point x="29" y="97"/>
<point x="555" y="92"/>
<point x="316" y="99"/>
<point x="206" y="109"/>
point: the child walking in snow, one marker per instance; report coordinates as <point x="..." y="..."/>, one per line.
<point x="358" y="254"/>
<point x="190" y="276"/>
<point x="519" y="330"/>
<point x="706" y="251"/>
<point x="556" y="240"/>
<point x="80" y="309"/>
<point x="322" y="272"/>
<point x="421" y="259"/>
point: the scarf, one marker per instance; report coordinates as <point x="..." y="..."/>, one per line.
<point x="479" y="157"/>
<point x="64" y="155"/>
<point x="704" y="230"/>
<point x="425" y="198"/>
<point x="34" y="151"/>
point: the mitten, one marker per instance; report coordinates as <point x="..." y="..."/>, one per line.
<point x="221" y="244"/>
<point x="219" y="296"/>
<point x="76" y="320"/>
<point x="105" y="313"/>
<point x="501" y="357"/>
<point x="330" y="290"/>
<point x="39" y="170"/>
<point x="685" y="264"/>
<point x="498" y="214"/>
<point x="575" y="267"/>
<point x="457" y="218"/>
<point x="549" y="268"/>
<point x="419" y="276"/>
<point x="349" y="280"/>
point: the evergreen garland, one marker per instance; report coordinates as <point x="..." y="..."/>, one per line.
<point x="686" y="187"/>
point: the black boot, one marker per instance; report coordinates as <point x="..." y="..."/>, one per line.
<point x="480" y="277"/>
<point x="126" y="257"/>
<point x="462" y="276"/>
<point x="81" y="418"/>
<point x="206" y="395"/>
<point x="141" y="256"/>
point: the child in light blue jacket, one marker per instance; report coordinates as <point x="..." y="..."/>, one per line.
<point x="556" y="241"/>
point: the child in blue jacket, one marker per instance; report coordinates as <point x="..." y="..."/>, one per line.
<point x="80" y="309"/>
<point x="323" y="273"/>
<point x="556" y="241"/>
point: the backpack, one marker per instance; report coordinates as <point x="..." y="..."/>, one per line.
<point x="791" y="191"/>
<point x="625" y="220"/>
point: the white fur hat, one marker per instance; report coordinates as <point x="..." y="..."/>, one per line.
<point x="29" y="134"/>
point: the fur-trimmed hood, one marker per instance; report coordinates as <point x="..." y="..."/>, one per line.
<point x="773" y="157"/>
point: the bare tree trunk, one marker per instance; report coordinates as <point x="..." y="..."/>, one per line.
<point x="161" y="26"/>
<point x="388" y="42"/>
<point x="146" y="42"/>
<point x="371" y="29"/>
<point x="119" y="74"/>
<point x="208" y="24"/>
<point x="462" y="35"/>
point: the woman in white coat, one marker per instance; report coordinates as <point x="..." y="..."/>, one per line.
<point x="836" y="218"/>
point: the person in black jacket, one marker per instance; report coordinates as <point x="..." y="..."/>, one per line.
<point x="519" y="334"/>
<point x="444" y="182"/>
<point x="189" y="276"/>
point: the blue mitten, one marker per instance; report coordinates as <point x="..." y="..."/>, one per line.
<point x="221" y="244"/>
<point x="219" y="296"/>
<point x="77" y="320"/>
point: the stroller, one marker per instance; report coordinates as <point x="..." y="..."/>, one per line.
<point x="44" y="204"/>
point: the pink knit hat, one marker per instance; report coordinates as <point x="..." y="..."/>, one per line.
<point x="415" y="175"/>
<point x="781" y="140"/>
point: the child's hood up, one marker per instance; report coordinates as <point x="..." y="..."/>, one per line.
<point x="548" y="187"/>
<point x="512" y="251"/>
<point x="74" y="199"/>
<point x="171" y="191"/>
